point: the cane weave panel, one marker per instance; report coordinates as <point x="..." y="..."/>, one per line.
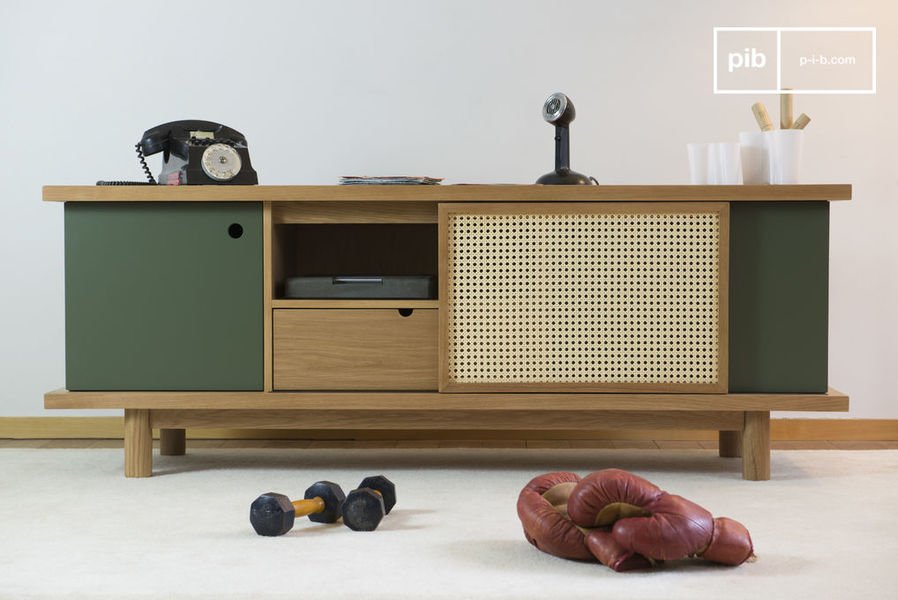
<point x="583" y="298"/>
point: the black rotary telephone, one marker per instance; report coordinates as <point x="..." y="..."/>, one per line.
<point x="195" y="153"/>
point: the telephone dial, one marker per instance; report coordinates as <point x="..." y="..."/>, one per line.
<point x="194" y="153"/>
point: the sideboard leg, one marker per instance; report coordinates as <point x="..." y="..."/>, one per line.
<point x="138" y="443"/>
<point x="756" y="446"/>
<point x="730" y="444"/>
<point x="172" y="442"/>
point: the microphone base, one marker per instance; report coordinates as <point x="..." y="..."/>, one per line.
<point x="565" y="177"/>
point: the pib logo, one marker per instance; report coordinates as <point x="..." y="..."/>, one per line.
<point x="809" y="60"/>
<point x="744" y="60"/>
<point x="750" y="58"/>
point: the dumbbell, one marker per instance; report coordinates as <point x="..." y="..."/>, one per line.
<point x="366" y="505"/>
<point x="273" y="514"/>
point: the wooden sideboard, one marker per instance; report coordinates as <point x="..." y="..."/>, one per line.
<point x="559" y="308"/>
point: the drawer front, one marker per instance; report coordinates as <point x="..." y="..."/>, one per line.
<point x="355" y="349"/>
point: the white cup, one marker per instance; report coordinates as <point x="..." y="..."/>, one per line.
<point x="715" y="164"/>
<point x="698" y="163"/>
<point x="784" y="148"/>
<point x="755" y="159"/>
<point x="724" y="164"/>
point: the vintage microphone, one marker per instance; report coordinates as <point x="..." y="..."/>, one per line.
<point x="559" y="111"/>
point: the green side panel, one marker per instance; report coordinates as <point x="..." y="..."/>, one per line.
<point x="160" y="296"/>
<point x="779" y="263"/>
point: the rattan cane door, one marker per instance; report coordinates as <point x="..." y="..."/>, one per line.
<point x="576" y="297"/>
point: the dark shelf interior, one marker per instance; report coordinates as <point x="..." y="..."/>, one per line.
<point x="354" y="249"/>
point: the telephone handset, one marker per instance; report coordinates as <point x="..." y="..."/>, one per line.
<point x="195" y="153"/>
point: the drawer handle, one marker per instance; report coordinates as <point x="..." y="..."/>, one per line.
<point x="235" y="230"/>
<point x="351" y="279"/>
<point x="405" y="312"/>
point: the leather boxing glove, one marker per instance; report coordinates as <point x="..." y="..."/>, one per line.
<point x="542" y="508"/>
<point x="648" y="524"/>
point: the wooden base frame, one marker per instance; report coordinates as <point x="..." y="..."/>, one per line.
<point x="743" y="420"/>
<point x="751" y="428"/>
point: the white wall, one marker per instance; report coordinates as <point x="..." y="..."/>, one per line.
<point x="450" y="88"/>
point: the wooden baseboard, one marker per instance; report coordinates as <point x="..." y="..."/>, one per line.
<point x="781" y="430"/>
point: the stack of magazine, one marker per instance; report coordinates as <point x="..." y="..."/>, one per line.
<point x="388" y="180"/>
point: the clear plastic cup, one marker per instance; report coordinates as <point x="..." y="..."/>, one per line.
<point x="784" y="149"/>
<point x="698" y="163"/>
<point x="725" y="164"/>
<point x="755" y="159"/>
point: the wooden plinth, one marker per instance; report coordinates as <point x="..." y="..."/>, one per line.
<point x="730" y="444"/>
<point x="172" y="442"/>
<point x="138" y="443"/>
<point x="756" y="446"/>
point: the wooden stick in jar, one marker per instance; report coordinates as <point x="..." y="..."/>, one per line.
<point x="786" y="110"/>
<point x="801" y="122"/>
<point x="760" y="112"/>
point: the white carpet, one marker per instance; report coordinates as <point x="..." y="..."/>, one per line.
<point x="72" y="526"/>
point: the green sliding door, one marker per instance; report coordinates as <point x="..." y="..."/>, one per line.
<point x="163" y="295"/>
<point x="779" y="262"/>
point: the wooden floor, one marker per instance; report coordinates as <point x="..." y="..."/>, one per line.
<point x="621" y="444"/>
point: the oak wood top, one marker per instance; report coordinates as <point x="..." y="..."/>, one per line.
<point x="446" y="193"/>
<point x="833" y="400"/>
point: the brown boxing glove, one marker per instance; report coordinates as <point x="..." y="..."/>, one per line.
<point x="542" y="508"/>
<point x="605" y="548"/>
<point x="648" y="524"/>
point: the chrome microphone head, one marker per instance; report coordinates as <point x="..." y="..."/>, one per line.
<point x="558" y="110"/>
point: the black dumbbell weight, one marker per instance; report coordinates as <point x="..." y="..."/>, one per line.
<point x="273" y="514"/>
<point x="366" y="505"/>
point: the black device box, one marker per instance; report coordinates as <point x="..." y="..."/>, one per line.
<point x="405" y="287"/>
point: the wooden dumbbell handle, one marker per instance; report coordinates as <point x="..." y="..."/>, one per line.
<point x="304" y="508"/>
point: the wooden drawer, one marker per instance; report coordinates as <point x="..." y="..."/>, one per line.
<point x="355" y="349"/>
